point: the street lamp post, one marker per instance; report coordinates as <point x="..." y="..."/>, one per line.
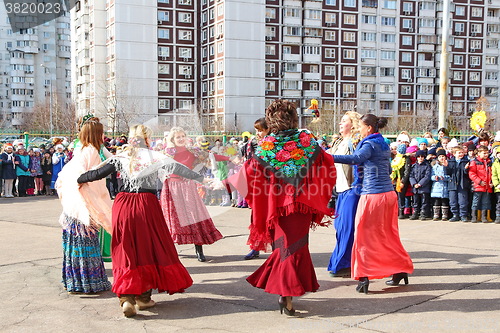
<point x="50" y="100"/>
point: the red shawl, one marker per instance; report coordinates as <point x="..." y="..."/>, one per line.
<point x="271" y="198"/>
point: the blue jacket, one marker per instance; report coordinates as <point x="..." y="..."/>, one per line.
<point x="8" y="171"/>
<point x="372" y="155"/>
<point x="459" y="176"/>
<point x="23" y="166"/>
<point x="440" y="181"/>
<point x="421" y="174"/>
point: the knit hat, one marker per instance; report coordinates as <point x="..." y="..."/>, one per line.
<point x="432" y="151"/>
<point x="411" y="149"/>
<point x="422" y="140"/>
<point x="441" y="152"/>
<point x="59" y="146"/>
<point x="421" y="153"/>
<point x="453" y="143"/>
<point x="403" y="138"/>
<point x="471" y="147"/>
<point x="401" y="148"/>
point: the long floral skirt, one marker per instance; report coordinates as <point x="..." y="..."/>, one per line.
<point x="347" y="204"/>
<point x="186" y="215"/>
<point x="83" y="269"/>
<point x="289" y="270"/>
<point x="377" y="251"/>
<point x="144" y="256"/>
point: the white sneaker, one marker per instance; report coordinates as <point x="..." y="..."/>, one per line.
<point x="143" y="306"/>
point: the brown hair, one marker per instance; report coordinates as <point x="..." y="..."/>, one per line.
<point x="482" y="148"/>
<point x="260" y="124"/>
<point x="375" y="122"/>
<point x="91" y="133"/>
<point x="281" y="115"/>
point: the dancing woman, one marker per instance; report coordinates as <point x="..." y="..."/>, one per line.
<point x="144" y="256"/>
<point x="377" y="250"/>
<point x="289" y="181"/>
<point x="84" y="212"/>
<point x="188" y="224"/>
<point x="348" y="197"/>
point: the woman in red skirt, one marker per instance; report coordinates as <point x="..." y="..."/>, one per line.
<point x="377" y="251"/>
<point x="188" y="224"/>
<point x="144" y="256"/>
<point x="288" y="182"/>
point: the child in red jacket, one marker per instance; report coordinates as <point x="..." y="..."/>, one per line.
<point x="480" y="175"/>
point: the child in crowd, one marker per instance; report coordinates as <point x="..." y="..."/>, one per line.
<point x="480" y="175"/>
<point x="495" y="171"/>
<point x="459" y="185"/>
<point x="439" y="192"/>
<point x="420" y="180"/>
<point x="46" y="165"/>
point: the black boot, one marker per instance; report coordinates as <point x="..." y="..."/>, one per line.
<point x="199" y="253"/>
<point x="396" y="278"/>
<point x="401" y="214"/>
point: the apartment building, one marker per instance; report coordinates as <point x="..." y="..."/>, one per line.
<point x="34" y="63"/>
<point x="216" y="64"/>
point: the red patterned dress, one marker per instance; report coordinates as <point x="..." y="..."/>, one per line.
<point x="187" y="217"/>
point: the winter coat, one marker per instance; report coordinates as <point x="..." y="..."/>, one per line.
<point x="9" y="169"/>
<point x="23" y="166"/>
<point x="495" y="174"/>
<point x="480" y="170"/>
<point x="421" y="174"/>
<point x="440" y="181"/>
<point x="459" y="176"/>
<point x="46" y="168"/>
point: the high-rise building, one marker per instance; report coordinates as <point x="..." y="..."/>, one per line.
<point x="218" y="63"/>
<point x="34" y="64"/>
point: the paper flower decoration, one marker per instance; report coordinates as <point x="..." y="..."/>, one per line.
<point x="478" y="120"/>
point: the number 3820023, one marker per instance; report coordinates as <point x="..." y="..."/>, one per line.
<point x="33" y="8"/>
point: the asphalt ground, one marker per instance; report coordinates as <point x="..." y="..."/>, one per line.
<point x="455" y="286"/>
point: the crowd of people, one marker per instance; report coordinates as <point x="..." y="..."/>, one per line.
<point x="291" y="180"/>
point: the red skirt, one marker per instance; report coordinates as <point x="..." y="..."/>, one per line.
<point x="144" y="256"/>
<point x="185" y="213"/>
<point x="377" y="251"/>
<point x="289" y="270"/>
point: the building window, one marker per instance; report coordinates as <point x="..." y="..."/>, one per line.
<point x="314" y="69"/>
<point x="349" y="19"/>
<point x="185" y="17"/>
<point x="163" y="16"/>
<point x="290" y="67"/>
<point x="459" y="27"/>
<point x="389" y="4"/>
<point x="368" y="71"/>
<point x="313" y="14"/>
<point x="349" y="71"/>
<point x="349" y="36"/>
<point x="476" y="28"/>
<point x="270" y="32"/>
<point x="407" y="40"/>
<point x="184" y="52"/>
<point x="475" y="61"/>
<point x="457" y="91"/>
<point x="164" y="104"/>
<point x="329" y="88"/>
<point x="330" y="70"/>
<point x="292" y="31"/>
<point x="388" y="55"/>
<point x="474" y="92"/>
<point x="311" y="50"/>
<point x="386" y="71"/>
<point x="491" y="60"/>
<point x="405" y="106"/>
<point x="491" y="91"/>
<point x="184" y="104"/>
<point x="184" y="2"/>
<point x="367" y="87"/>
<point x="349" y="3"/>
<point x="368" y="36"/>
<point x="388" y="38"/>
<point x="368" y="54"/>
<point x="391" y="21"/>
<point x="407" y="23"/>
<point x="405" y="90"/>
<point x="458" y="75"/>
<point x="369" y="19"/>
<point x="270" y="13"/>
<point x="270" y="85"/>
<point x="164" y="33"/>
<point x="459" y="11"/>
<point x="330" y="18"/>
<point x="185" y="34"/>
<point x="477" y="12"/>
<point x="491" y="76"/>
<point x="163" y="86"/>
<point x="330" y="2"/>
<point x="220" y="102"/>
<point x="329" y="53"/>
<point x="329" y="35"/>
<point x="406" y="73"/>
<point x="406" y="56"/>
<point x="426" y="89"/>
<point x="289" y="84"/>
<point x="474" y="76"/>
<point x="185" y="87"/>
<point x="349" y="54"/>
<point x="163" y="51"/>
<point x="427" y="23"/>
<point x="458" y="59"/>
<point x="314" y="86"/>
<point x="270" y="49"/>
<point x="459" y="43"/>
<point x="348" y="88"/>
<point x="291" y="12"/>
<point x="407" y="6"/>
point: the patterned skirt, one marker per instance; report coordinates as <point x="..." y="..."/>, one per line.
<point x="83" y="269"/>
<point x="187" y="217"/>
